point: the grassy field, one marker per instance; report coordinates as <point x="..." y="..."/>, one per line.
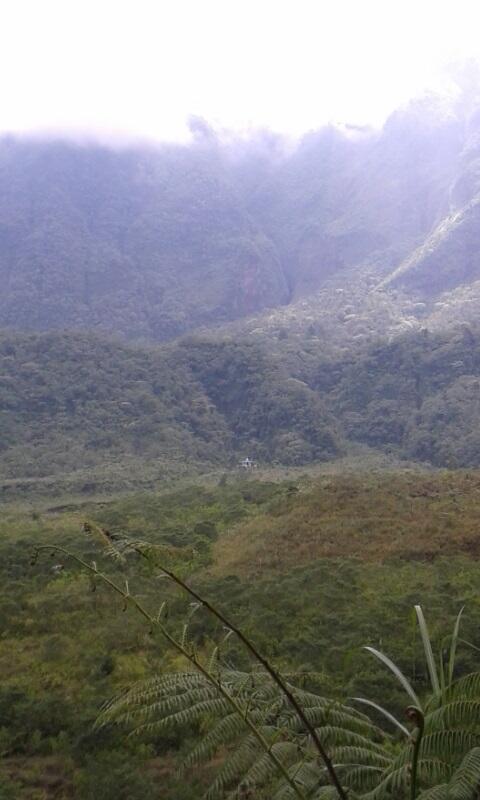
<point x="312" y="566"/>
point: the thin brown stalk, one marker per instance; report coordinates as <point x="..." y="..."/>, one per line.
<point x="155" y="622"/>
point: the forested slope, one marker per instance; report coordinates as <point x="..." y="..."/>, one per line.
<point x="419" y="394"/>
<point x="80" y="403"/>
<point x="144" y="243"/>
<point x="70" y="402"/>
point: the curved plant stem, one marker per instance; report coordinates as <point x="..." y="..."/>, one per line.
<point x="269" y="669"/>
<point x="155" y="622"/>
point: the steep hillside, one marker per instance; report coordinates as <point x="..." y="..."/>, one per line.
<point x="418" y="395"/>
<point x="153" y="242"/>
<point x="448" y="257"/>
<point x="350" y="197"/>
<point x="145" y="243"/>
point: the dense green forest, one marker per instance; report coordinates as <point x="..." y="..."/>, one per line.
<point x="72" y="402"/>
<point x="98" y="416"/>
<point x="311" y="570"/>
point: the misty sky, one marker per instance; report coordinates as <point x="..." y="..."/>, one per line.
<point x="141" y="67"/>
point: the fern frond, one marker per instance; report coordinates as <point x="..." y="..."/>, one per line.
<point x="222" y="734"/>
<point x="359" y="755"/>
<point x="310" y="699"/>
<point x="235" y="765"/>
<point x="335" y="737"/>
<point x="448" y="745"/>
<point x="163" y="685"/>
<point x="466" y="688"/>
<point x="329" y="714"/>
<point x="393" y="784"/>
<point x="326" y="793"/>
<point x="465" y="783"/>
<point x="433" y="770"/>
<point x="149" y="704"/>
<point x="172" y="692"/>
<point x="185" y="717"/>
<point x="309" y="775"/>
<point x="459" y="713"/>
<point x="439" y="792"/>
<point x="263" y="769"/>
<point x="361" y="777"/>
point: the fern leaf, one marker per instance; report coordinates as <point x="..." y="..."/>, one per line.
<point x="433" y="771"/>
<point x="459" y="713"/>
<point x="335" y="736"/>
<point x="392" y="785"/>
<point x="466" y="688"/>
<point x="309" y="776"/>
<point x="359" y="755"/>
<point x="447" y="745"/>
<point x="439" y="792"/>
<point x="327" y="713"/>
<point x="361" y="777"/>
<point x="465" y="783"/>
<point x="264" y="769"/>
<point x="223" y="733"/>
<point x="234" y="767"/>
<point x="187" y="716"/>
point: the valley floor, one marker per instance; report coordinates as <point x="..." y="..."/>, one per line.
<point x="312" y="564"/>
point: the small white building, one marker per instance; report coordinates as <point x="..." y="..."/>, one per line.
<point x="247" y="464"/>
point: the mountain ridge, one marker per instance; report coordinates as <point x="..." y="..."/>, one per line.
<point x="150" y="243"/>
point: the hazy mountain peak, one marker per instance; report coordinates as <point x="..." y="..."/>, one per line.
<point x="150" y="242"/>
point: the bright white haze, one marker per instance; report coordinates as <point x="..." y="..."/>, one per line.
<point x="141" y="67"/>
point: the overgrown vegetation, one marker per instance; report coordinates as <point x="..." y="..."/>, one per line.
<point x="285" y="742"/>
<point x="327" y="296"/>
<point x="310" y="616"/>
